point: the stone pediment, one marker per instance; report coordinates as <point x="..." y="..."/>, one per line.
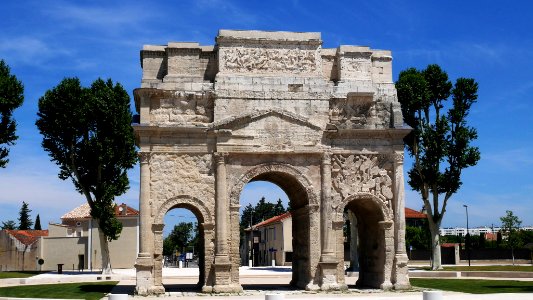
<point x="241" y="121"/>
<point x="268" y="130"/>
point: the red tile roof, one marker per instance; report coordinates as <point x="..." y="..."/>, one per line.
<point x="413" y="214"/>
<point x="84" y="212"/>
<point x="273" y="220"/>
<point x="27" y="237"/>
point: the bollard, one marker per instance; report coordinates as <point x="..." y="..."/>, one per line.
<point x="274" y="296"/>
<point x="250" y="263"/>
<point x="432" y="295"/>
<point x="118" y="297"/>
<point x="273" y="263"/>
<point x="180" y="264"/>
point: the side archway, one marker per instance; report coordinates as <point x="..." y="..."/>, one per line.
<point x="375" y="244"/>
<point x="204" y="216"/>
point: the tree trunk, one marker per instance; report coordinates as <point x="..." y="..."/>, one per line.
<point x="106" y="259"/>
<point x="436" y="263"/>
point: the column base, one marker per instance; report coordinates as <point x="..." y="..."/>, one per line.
<point x="401" y="272"/>
<point x="328" y="279"/>
<point x="222" y="282"/>
<point x="144" y="274"/>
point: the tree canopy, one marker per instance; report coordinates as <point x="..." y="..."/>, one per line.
<point x="37" y="223"/>
<point x="9" y="225"/>
<point x="182" y="236"/>
<point x="87" y="132"/>
<point x="25" y="221"/>
<point x="11" y="97"/>
<point x="440" y="141"/>
<point x="510" y="228"/>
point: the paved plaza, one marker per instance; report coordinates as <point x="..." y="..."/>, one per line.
<point x="257" y="282"/>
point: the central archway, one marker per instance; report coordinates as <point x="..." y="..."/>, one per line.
<point x="305" y="216"/>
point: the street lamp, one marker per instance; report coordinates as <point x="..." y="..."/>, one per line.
<point x="467" y="236"/>
<point x="251" y="238"/>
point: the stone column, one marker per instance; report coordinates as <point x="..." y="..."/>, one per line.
<point x="144" y="263"/>
<point x="221" y="210"/>
<point x="222" y="266"/>
<point x="354" y="240"/>
<point x="144" y="205"/>
<point x="328" y="261"/>
<point x="400" y="275"/>
<point x="387" y="228"/>
<point x="325" y="209"/>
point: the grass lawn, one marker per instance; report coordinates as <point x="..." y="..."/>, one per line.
<point x="490" y="268"/>
<point x="475" y="286"/>
<point x="83" y="290"/>
<point x="20" y="274"/>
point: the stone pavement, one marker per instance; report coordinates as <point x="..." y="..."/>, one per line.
<point x="258" y="281"/>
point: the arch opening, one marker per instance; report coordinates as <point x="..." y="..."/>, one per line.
<point x="284" y="239"/>
<point x="180" y="235"/>
<point x="365" y="241"/>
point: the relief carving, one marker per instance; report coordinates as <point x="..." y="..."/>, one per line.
<point x="359" y="112"/>
<point x="182" y="107"/>
<point x="352" y="174"/>
<point x="268" y="60"/>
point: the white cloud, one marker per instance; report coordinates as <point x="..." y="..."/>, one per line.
<point x="107" y="18"/>
<point x="510" y="159"/>
<point x="29" y="50"/>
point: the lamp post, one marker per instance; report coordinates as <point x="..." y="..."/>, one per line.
<point x="251" y="238"/>
<point x="467" y="236"/>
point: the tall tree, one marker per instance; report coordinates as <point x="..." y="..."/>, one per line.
<point x="87" y="132"/>
<point x="440" y="141"/>
<point x="510" y="229"/>
<point x="25" y="221"/>
<point x="37" y="223"/>
<point x="278" y="208"/>
<point x="11" y="97"/>
<point x="9" y="225"/>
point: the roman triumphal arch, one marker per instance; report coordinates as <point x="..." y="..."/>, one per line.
<point x="323" y="124"/>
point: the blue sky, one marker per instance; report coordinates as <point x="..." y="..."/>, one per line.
<point x="45" y="41"/>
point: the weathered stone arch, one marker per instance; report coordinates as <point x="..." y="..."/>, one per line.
<point x="188" y="202"/>
<point x="376" y="236"/>
<point x="385" y="210"/>
<point x="287" y="169"/>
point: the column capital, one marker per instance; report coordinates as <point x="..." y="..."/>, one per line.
<point x="220" y="157"/>
<point x="144" y="157"/>
<point x="326" y="157"/>
<point x="397" y="157"/>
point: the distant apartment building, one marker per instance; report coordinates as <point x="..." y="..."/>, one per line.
<point x="74" y="243"/>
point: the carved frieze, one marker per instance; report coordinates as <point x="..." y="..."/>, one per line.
<point x="358" y="112"/>
<point x="353" y="174"/>
<point x="269" y="60"/>
<point x="181" y="107"/>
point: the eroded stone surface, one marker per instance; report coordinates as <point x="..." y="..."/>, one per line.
<point x="323" y="124"/>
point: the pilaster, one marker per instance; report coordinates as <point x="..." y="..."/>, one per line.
<point x="401" y="272"/>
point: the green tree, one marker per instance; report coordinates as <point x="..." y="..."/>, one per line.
<point x="180" y="238"/>
<point x="87" y="132"/>
<point x="9" y="225"/>
<point x="510" y="230"/>
<point x="263" y="210"/>
<point x="25" y="221"/>
<point x="417" y="237"/>
<point x="278" y="208"/>
<point x="440" y="141"/>
<point x="37" y="223"/>
<point x="11" y="97"/>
